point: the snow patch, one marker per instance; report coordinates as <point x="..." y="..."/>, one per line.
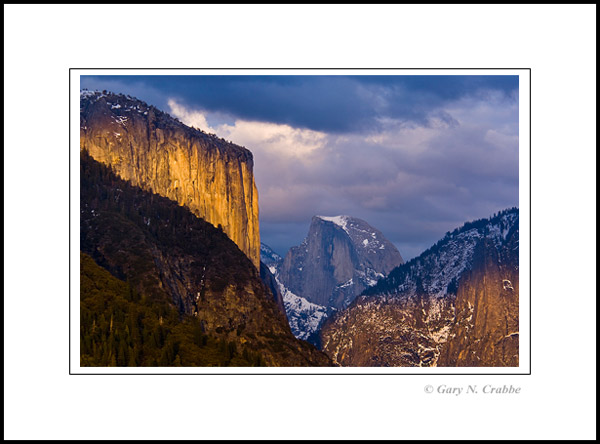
<point x="121" y="120"/>
<point x="347" y="283"/>
<point x="340" y="221"/>
<point x="304" y="317"/>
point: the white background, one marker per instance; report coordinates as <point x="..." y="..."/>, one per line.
<point x="43" y="401"/>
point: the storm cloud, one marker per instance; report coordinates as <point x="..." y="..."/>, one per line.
<point x="337" y="104"/>
<point x="415" y="156"/>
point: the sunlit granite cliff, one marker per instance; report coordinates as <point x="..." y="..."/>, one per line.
<point x="156" y="152"/>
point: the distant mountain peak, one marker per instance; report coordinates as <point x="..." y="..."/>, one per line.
<point x="456" y="304"/>
<point x="440" y="266"/>
<point x="364" y="236"/>
<point x="341" y="256"/>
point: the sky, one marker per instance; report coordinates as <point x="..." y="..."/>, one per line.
<point x="414" y="156"/>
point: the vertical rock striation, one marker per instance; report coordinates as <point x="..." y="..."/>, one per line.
<point x="185" y="272"/>
<point x="340" y="257"/>
<point x="154" y="151"/>
<point x="485" y="332"/>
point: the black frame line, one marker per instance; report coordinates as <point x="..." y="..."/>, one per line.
<point x="305" y="374"/>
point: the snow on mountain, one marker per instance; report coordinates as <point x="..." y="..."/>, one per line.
<point x="304" y="317"/>
<point x="268" y="256"/>
<point x="338" y="259"/>
<point x="361" y="234"/>
<point x="461" y="294"/>
<point x="438" y="269"/>
<point x="340" y="221"/>
<point x="123" y="103"/>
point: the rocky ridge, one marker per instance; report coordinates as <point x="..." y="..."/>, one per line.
<point x="454" y="305"/>
<point x="340" y="257"/>
<point x="187" y="271"/>
<point x="147" y="147"/>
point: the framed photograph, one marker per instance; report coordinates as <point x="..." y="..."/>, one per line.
<point x="300" y="221"/>
<point x="270" y="222"/>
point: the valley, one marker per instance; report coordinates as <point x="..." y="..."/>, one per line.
<point x="174" y="272"/>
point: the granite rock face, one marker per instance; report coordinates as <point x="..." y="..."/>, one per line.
<point x="340" y="257"/>
<point x="457" y="304"/>
<point x="485" y="331"/>
<point x="171" y="257"/>
<point x="152" y="150"/>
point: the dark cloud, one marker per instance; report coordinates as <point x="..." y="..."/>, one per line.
<point x="413" y="183"/>
<point x="336" y="104"/>
<point x="415" y="156"/>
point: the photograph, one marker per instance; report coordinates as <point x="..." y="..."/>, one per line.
<point x="366" y="220"/>
<point x="270" y="222"/>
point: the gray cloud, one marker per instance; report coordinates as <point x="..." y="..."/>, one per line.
<point x="414" y="183"/>
<point x="414" y="157"/>
<point x="331" y="103"/>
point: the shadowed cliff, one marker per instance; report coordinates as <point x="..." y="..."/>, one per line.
<point x="184" y="293"/>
